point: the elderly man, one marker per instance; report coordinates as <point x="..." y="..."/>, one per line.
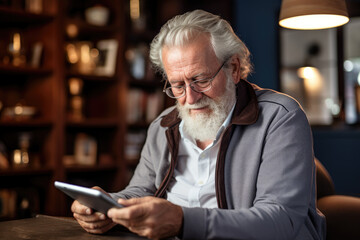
<point x="229" y="161"/>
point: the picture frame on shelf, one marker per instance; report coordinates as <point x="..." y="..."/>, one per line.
<point x="34" y="6"/>
<point x="106" y="64"/>
<point x="36" y="54"/>
<point x="85" y="150"/>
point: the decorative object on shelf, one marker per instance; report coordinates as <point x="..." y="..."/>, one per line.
<point x="76" y="101"/>
<point x="99" y="60"/>
<point x="16" y="52"/>
<point x="19" y="202"/>
<point x="4" y="162"/>
<point x="72" y="30"/>
<point x="8" y="203"/>
<point x="97" y="15"/>
<point x="106" y="62"/>
<point x="137" y="15"/>
<point x="310" y="14"/>
<point x="85" y="150"/>
<point x="134" y="144"/>
<point x="82" y="56"/>
<point x="21" y="156"/>
<point x="137" y="59"/>
<point x="36" y="54"/>
<point x="143" y="106"/>
<point x="19" y="112"/>
<point x="34" y="6"/>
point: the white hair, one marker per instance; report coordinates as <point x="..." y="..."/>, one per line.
<point x="181" y="29"/>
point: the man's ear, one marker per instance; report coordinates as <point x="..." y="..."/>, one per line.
<point x="234" y="64"/>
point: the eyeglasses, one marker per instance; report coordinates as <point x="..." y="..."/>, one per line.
<point x="200" y="86"/>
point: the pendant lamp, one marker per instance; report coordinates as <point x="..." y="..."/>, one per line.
<point x="313" y="14"/>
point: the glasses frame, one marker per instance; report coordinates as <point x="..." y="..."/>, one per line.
<point x="191" y="85"/>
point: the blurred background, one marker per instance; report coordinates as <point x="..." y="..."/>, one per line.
<point x="77" y="92"/>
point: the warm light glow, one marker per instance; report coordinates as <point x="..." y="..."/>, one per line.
<point x="134" y="9"/>
<point x="71" y="53"/>
<point x="312" y="78"/>
<point x="17" y="157"/>
<point x="72" y="30"/>
<point x="307" y="72"/>
<point x="25" y="157"/>
<point x="75" y="86"/>
<point x="18" y="109"/>
<point x="314" y="21"/>
<point x="16" y="42"/>
<point x="85" y="53"/>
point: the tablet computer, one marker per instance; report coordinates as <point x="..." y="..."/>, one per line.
<point x="89" y="197"/>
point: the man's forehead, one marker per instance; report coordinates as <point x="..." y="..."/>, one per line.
<point x="197" y="47"/>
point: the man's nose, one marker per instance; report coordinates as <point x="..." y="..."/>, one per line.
<point x="192" y="96"/>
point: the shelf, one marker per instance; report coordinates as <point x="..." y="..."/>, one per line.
<point x="14" y="17"/>
<point x="93" y="123"/>
<point x="32" y="123"/>
<point x="96" y="168"/>
<point x="94" y="78"/>
<point x="23" y="70"/>
<point x="25" y="172"/>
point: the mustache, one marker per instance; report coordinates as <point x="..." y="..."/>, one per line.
<point x="203" y="102"/>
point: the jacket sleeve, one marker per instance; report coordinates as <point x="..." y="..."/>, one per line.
<point x="150" y="169"/>
<point x="284" y="189"/>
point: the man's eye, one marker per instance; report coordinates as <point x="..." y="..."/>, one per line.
<point x="177" y="89"/>
<point x="202" y="83"/>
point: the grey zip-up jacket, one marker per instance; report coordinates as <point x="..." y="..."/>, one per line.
<point x="265" y="172"/>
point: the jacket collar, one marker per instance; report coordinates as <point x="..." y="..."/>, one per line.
<point x="245" y="113"/>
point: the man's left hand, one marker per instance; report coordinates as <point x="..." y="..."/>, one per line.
<point x="151" y="217"/>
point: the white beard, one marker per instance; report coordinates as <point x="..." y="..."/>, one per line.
<point x="204" y="126"/>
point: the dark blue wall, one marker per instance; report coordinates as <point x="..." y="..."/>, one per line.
<point x="256" y="23"/>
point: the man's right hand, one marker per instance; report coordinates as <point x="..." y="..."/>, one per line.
<point x="91" y="221"/>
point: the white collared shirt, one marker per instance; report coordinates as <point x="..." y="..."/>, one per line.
<point x="193" y="183"/>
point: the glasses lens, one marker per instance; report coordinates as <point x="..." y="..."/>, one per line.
<point x="170" y="93"/>
<point x="201" y="85"/>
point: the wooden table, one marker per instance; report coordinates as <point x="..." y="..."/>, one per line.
<point x="44" y="227"/>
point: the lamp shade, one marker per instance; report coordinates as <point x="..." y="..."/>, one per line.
<point x="313" y="14"/>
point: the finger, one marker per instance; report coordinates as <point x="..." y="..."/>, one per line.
<point x="97" y="227"/>
<point x="134" y="201"/>
<point x="96" y="216"/>
<point x="128" y="213"/>
<point x="127" y="202"/>
<point x="78" y="208"/>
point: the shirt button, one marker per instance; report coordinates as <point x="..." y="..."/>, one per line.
<point x="200" y="182"/>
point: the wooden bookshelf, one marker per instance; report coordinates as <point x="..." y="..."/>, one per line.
<point x="51" y="131"/>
